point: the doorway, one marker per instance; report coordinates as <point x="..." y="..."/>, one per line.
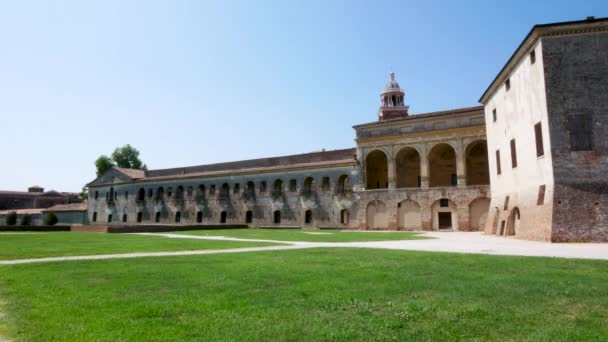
<point x="445" y="220"/>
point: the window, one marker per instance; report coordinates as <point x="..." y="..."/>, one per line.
<point x="150" y="192"/>
<point x="277" y="217"/>
<point x="199" y="217"/>
<point x="223" y="217"/>
<point x="141" y="194"/>
<point x="237" y="188"/>
<point x="178" y="217"/>
<point x="109" y="218"/>
<point x="308" y="216"/>
<point x="157" y="218"/>
<point x="498" y="170"/>
<point x="212" y="190"/>
<point x="95" y="216"/>
<point x="502" y="227"/>
<point x="513" y="154"/>
<point x="538" y="134"/>
<point x="124" y="217"/>
<point x="444" y="203"/>
<point x="508" y="84"/>
<point x="454" y="179"/>
<point x="263" y="186"/>
<point x="494" y="115"/>
<point x="541" y="195"/>
<point x="189" y="192"/>
<point x="116" y="195"/>
<point x="506" y="206"/>
<point x="532" y="57"/>
<point x="96" y="194"/>
<point x="344" y="216"/>
<point x="325" y="184"/>
<point x="140" y="216"/>
<point x="201" y="191"/>
<point x="169" y="191"/>
<point x="293" y="184"/>
<point x="580" y="132"/>
<point x="248" y="216"/>
<point x="126" y="195"/>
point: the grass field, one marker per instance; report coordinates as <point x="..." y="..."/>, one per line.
<point x="313" y="294"/>
<point x="38" y="245"/>
<point x="307" y="235"/>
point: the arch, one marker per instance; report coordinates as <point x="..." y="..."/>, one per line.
<point x="407" y="164"/>
<point x="277" y="217"/>
<point x="157" y="217"/>
<point x="377" y="215"/>
<point x="513" y="223"/>
<point x="179" y="192"/>
<point x="249" y="189"/>
<point x="325" y="183"/>
<point x="201" y="191"/>
<point x="308" y="186"/>
<point x="160" y="192"/>
<point x="308" y="216"/>
<point x="476" y="163"/>
<point x="277" y="187"/>
<point x="178" y="217"/>
<point x="442" y="166"/>
<point x="140" y="216"/>
<point x="376" y="170"/>
<point x="249" y="216"/>
<point x="478" y="213"/>
<point x="344" y="216"/>
<point x="343" y="184"/>
<point x="444" y="214"/>
<point x="225" y="190"/>
<point x="124" y="218"/>
<point x="223" y="217"/>
<point x="408" y="215"/>
<point x="199" y="216"/>
<point x="150" y="193"/>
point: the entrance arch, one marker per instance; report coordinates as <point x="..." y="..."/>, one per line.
<point x="376" y="170"/>
<point x="444" y="214"/>
<point x="407" y="163"/>
<point x="478" y="213"/>
<point x="408" y="215"/>
<point x="442" y="166"/>
<point x="377" y="216"/>
<point x="513" y="223"/>
<point x="476" y="163"/>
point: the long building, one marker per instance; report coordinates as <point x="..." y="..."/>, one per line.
<point x="531" y="162"/>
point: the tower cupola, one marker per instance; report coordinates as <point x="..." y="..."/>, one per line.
<point x="392" y="98"/>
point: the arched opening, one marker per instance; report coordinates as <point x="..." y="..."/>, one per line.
<point x="140" y="216"/>
<point x="344" y="216"/>
<point x="150" y="193"/>
<point x="308" y="216"/>
<point x="225" y="192"/>
<point x="160" y="192"/>
<point x="277" y="216"/>
<point x="157" y="217"/>
<point x="325" y="184"/>
<point x="179" y="193"/>
<point x="377" y="216"/>
<point x="442" y="166"/>
<point x="408" y="215"/>
<point x="478" y="213"/>
<point x="199" y="216"/>
<point x="277" y="188"/>
<point x="308" y="186"/>
<point x="124" y="218"/>
<point x="141" y="194"/>
<point x="513" y="223"/>
<point x="201" y="191"/>
<point x="444" y="214"/>
<point x="249" y="189"/>
<point x="407" y="163"/>
<point x="178" y="217"/>
<point x="343" y="184"/>
<point x="109" y="218"/>
<point x="376" y="170"/>
<point x="477" y="171"/>
<point x="223" y="216"/>
<point x="249" y="216"/>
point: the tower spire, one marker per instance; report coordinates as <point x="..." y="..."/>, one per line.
<point x="392" y="99"/>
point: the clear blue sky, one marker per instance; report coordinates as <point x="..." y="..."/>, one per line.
<point x="196" y="82"/>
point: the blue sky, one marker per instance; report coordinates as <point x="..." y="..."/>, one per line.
<point x="196" y="82"/>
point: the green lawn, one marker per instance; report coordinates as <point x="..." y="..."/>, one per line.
<point x="37" y="245"/>
<point x="307" y="235"/>
<point x="313" y="294"/>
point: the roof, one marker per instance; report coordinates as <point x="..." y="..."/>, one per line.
<point x="131" y="173"/>
<point x="535" y="33"/>
<point x="22" y="211"/>
<point x="67" y="207"/>
<point x="48" y="193"/>
<point x="423" y="116"/>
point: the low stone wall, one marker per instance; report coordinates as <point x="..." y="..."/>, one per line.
<point x="150" y="228"/>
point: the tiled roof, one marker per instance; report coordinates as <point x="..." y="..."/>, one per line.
<point x="131" y="173"/>
<point x="22" y="211"/>
<point x="67" y="207"/>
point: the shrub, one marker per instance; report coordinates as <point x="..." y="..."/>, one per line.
<point x="11" y="219"/>
<point x="50" y="219"/>
<point x="26" y="220"/>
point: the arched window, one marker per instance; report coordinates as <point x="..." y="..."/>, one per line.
<point x="343" y="184"/>
<point x="477" y="170"/>
<point x="140" y="216"/>
<point x="308" y="216"/>
<point x="249" y="216"/>
<point x="199" y="217"/>
<point x="277" y="217"/>
<point x="293" y="185"/>
<point x="178" y="217"/>
<point x="189" y="192"/>
<point x="344" y="216"/>
<point x="179" y="193"/>
<point x="201" y="191"/>
<point x="277" y="189"/>
<point x="124" y="217"/>
<point x="150" y="193"/>
<point x="223" y="216"/>
<point x="236" y="189"/>
<point x="157" y="217"/>
<point x="160" y="192"/>
<point x="141" y="194"/>
<point x="407" y="163"/>
<point x="225" y="193"/>
<point x="442" y="166"/>
<point x="376" y="170"/>
<point x="250" y="190"/>
<point x="308" y="187"/>
<point x="325" y="185"/>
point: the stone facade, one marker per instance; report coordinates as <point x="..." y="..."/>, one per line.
<point x="35" y="198"/>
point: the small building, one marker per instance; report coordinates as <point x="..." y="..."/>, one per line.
<point x="68" y="214"/>
<point x="35" y="215"/>
<point x="36" y="198"/>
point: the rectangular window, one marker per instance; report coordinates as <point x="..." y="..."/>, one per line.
<point x="533" y="57"/>
<point x="506" y="203"/>
<point x="237" y="188"/>
<point x="444" y="203"/>
<point x="454" y="179"/>
<point x="513" y="154"/>
<point x="580" y="132"/>
<point x="502" y="227"/>
<point x="95" y="217"/>
<point x="538" y="134"/>
<point x="541" y="195"/>
<point x="508" y="84"/>
<point x="498" y="169"/>
<point x="494" y="115"/>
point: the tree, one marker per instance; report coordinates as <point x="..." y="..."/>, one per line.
<point x="84" y="194"/>
<point x="103" y="165"/>
<point x="50" y="219"/>
<point x="126" y="156"/>
<point x="11" y="219"/>
<point x="26" y="220"/>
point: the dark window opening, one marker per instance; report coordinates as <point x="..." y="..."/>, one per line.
<point x="308" y="217"/>
<point x="533" y="57"/>
<point x="140" y="216"/>
<point x="293" y="185"/>
<point x="126" y="195"/>
<point x="506" y="206"/>
<point x="95" y="216"/>
<point x="124" y="217"/>
<point x="178" y="217"/>
<point x="508" y="84"/>
<point x="212" y="190"/>
<point x="513" y="154"/>
<point x="157" y="218"/>
<point x="502" y="227"/>
<point x="109" y="218"/>
<point x="141" y="194"/>
<point x="498" y="169"/>
<point x="419" y="181"/>
<point x="189" y="191"/>
<point x="325" y="185"/>
<point x="541" y="195"/>
<point x="444" y="203"/>
<point x="263" y="186"/>
<point x="169" y="192"/>
<point x="445" y="220"/>
<point x="454" y="179"/>
<point x="237" y="188"/>
<point x="277" y="217"/>
<point x="344" y="216"/>
<point x="150" y="192"/>
<point x="201" y="191"/>
<point x="96" y="194"/>
<point x="538" y="134"/>
<point x="199" y="217"/>
<point x="223" y="217"/>
<point x="494" y="115"/>
<point x="248" y="216"/>
<point x="580" y="132"/>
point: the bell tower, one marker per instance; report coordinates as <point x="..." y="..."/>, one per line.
<point x="392" y="98"/>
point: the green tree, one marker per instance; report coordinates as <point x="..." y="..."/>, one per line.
<point x="26" y="220"/>
<point x="103" y="164"/>
<point x="50" y="219"/>
<point x="128" y="157"/>
<point x="11" y="219"/>
<point x="84" y="194"/>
